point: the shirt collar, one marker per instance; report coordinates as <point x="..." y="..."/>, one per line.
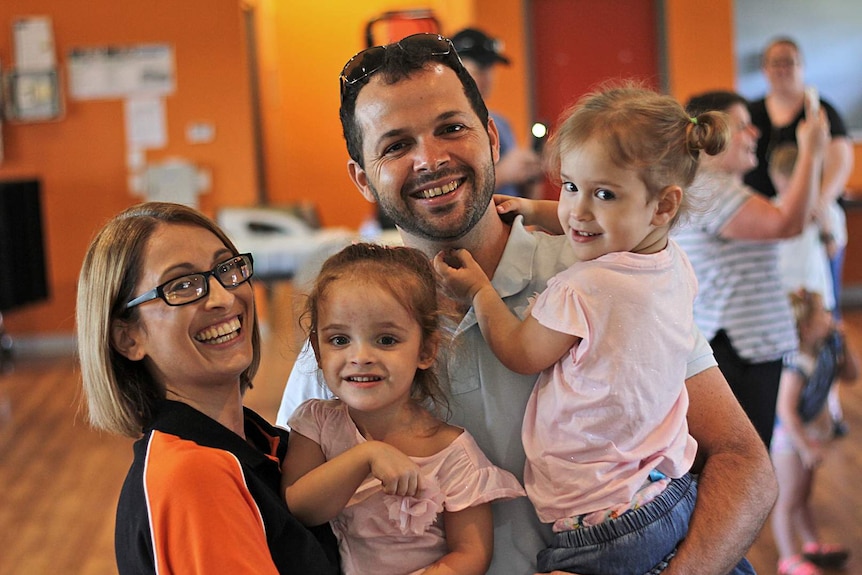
<point x="515" y="270"/>
<point x="182" y="420"/>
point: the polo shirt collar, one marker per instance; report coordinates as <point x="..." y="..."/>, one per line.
<point x="515" y="270"/>
<point x="182" y="420"/>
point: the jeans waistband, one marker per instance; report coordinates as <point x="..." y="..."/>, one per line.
<point x="632" y="520"/>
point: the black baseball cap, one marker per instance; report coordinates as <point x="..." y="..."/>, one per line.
<point x="476" y="45"/>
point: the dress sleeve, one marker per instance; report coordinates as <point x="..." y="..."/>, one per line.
<point x="305" y="420"/>
<point x="467" y="478"/>
<point x="202" y="515"/>
<point x="560" y="307"/>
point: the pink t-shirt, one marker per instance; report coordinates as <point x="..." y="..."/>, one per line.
<point x="379" y="533"/>
<point x="614" y="407"/>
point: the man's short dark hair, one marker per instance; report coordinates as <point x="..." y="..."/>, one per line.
<point x="398" y="64"/>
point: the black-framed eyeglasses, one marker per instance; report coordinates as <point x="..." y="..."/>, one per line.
<point x="370" y="60"/>
<point x="192" y="287"/>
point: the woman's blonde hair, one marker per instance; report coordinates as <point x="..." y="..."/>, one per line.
<point x="642" y="130"/>
<point x="121" y="394"/>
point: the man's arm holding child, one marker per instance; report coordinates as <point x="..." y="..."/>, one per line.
<point x="736" y="486"/>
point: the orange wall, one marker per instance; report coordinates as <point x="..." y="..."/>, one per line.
<point x="81" y="159"/>
<point x="855" y="182"/>
<point x="699" y="46"/>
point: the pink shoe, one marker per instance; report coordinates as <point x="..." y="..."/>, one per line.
<point x="828" y="555"/>
<point x="797" y="565"/>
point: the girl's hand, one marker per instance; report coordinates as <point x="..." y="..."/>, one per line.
<point x="397" y="472"/>
<point x="513" y="206"/>
<point x="811" y="454"/>
<point x="460" y="274"/>
<point x="538" y="213"/>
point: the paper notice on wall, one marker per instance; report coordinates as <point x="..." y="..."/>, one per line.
<point x="121" y="72"/>
<point x="34" y="44"/>
<point x="146" y="126"/>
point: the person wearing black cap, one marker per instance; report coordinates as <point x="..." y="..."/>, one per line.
<point x="519" y="169"/>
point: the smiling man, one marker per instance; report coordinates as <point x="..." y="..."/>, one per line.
<point x="422" y="146"/>
<point x="434" y="175"/>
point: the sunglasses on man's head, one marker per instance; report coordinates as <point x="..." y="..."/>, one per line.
<point x="370" y="60"/>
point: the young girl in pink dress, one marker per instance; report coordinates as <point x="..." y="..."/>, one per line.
<point x="423" y="505"/>
<point x="605" y="433"/>
<point x="803" y="431"/>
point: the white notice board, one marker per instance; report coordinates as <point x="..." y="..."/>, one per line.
<point x="121" y="72"/>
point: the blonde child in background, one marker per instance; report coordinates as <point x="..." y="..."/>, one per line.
<point x="802" y="431"/>
<point x="605" y="432"/>
<point x="374" y="322"/>
<point x="803" y="259"/>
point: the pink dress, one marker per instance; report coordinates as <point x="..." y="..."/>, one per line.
<point x="379" y="533"/>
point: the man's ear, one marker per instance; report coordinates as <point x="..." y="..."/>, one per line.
<point x="494" y="136"/>
<point x="125" y="338"/>
<point x="360" y="180"/>
<point x="669" y="201"/>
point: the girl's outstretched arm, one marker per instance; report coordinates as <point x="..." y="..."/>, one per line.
<point x="317" y="490"/>
<point x="522" y="346"/>
<point x="760" y="219"/>
<point x="541" y="213"/>
<point x="470" y="538"/>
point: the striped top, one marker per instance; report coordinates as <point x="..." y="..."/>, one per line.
<point x="739" y="284"/>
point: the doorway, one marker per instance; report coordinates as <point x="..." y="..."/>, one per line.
<point x="577" y="44"/>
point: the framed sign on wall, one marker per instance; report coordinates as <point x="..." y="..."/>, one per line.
<point x="32" y="95"/>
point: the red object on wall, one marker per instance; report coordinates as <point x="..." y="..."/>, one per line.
<point x="392" y="26"/>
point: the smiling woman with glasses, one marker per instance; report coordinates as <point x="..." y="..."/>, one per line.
<point x="170" y="367"/>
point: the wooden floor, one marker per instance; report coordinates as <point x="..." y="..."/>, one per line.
<point x="59" y="480"/>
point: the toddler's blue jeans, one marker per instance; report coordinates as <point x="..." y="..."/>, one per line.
<point x="641" y="541"/>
